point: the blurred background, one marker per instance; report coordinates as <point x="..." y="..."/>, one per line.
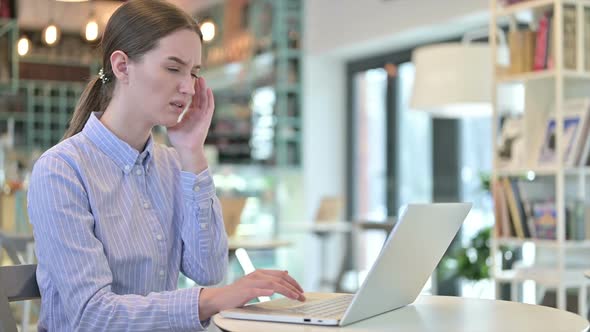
<point x="332" y="115"/>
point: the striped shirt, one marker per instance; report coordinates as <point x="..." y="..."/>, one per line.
<point x="114" y="227"/>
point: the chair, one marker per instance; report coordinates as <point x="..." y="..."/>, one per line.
<point x="17" y="245"/>
<point x="17" y="283"/>
<point x="330" y="209"/>
<point x="329" y="212"/>
<point x="231" y="209"/>
<point x="20" y="250"/>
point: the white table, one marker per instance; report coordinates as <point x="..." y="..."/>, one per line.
<point x="441" y="314"/>
<point x="251" y="244"/>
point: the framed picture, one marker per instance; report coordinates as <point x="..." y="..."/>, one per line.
<point x="574" y="124"/>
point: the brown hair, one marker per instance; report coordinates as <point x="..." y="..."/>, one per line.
<point x="134" y="28"/>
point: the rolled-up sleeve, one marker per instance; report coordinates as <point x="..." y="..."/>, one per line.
<point x="205" y="249"/>
<point x="74" y="260"/>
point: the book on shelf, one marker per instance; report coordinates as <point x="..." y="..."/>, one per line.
<point x="569" y="37"/>
<point x="542" y="42"/>
<point x="526" y="210"/>
<point x="545" y="219"/>
<point x="534" y="50"/>
<point x="516" y="208"/>
<point x="501" y="214"/>
<point x="575" y="134"/>
<point x="521" y="44"/>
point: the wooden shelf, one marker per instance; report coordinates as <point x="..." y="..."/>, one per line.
<point x="534" y="5"/>
<point x="543" y="75"/>
<point x="542" y="171"/>
<point x="22" y="116"/>
<point x="568" y="244"/>
<point x="548" y="277"/>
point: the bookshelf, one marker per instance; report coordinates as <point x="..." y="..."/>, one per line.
<point x="8" y="55"/>
<point x="38" y="98"/>
<point x="254" y="69"/>
<point x="544" y="194"/>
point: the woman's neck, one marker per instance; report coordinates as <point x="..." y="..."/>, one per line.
<point x="120" y="119"/>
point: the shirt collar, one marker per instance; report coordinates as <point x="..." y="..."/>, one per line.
<point x="123" y="154"/>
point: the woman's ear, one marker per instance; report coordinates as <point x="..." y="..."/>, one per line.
<point x="119" y="64"/>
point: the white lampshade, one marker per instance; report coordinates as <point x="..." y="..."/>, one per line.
<point x="453" y="80"/>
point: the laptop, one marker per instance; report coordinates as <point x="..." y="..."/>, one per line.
<point x="411" y="252"/>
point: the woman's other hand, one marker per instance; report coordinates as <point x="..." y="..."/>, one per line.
<point x="255" y="284"/>
<point x="188" y="136"/>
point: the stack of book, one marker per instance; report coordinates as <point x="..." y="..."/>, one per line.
<point x="533" y="50"/>
<point x="526" y="210"/>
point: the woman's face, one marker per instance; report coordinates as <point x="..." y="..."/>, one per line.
<point x="161" y="82"/>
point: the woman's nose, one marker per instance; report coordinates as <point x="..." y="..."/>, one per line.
<point x="187" y="86"/>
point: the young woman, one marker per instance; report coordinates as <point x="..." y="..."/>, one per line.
<point x="116" y="216"/>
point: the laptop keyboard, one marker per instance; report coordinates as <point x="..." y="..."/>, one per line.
<point x="334" y="307"/>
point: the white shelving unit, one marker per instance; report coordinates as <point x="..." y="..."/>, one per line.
<point x="545" y="91"/>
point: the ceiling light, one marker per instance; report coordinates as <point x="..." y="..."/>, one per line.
<point x="51" y="34"/>
<point x="455" y="79"/>
<point x="23" y="46"/>
<point x="208" y="30"/>
<point x="91" y="33"/>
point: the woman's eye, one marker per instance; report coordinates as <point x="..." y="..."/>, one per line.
<point x="173" y="69"/>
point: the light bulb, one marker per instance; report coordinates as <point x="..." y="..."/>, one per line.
<point x="208" y="30"/>
<point x="91" y="30"/>
<point x="51" y="34"/>
<point x="23" y="46"/>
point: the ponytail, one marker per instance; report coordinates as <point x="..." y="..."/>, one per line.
<point x="93" y="99"/>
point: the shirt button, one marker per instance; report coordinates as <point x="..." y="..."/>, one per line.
<point x="146" y="205"/>
<point x="196" y="188"/>
<point x="138" y="171"/>
<point x="204" y="225"/>
<point x="127" y="168"/>
<point x="159" y="237"/>
<point x="162" y="273"/>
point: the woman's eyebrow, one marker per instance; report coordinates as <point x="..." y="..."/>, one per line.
<point x="181" y="62"/>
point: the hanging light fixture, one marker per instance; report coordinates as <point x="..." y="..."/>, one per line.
<point x="51" y="34"/>
<point x="23" y="46"/>
<point x="455" y="79"/>
<point x="91" y="31"/>
<point x="208" y="30"/>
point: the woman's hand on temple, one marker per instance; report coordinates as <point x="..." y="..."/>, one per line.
<point x="188" y="136"/>
<point x="255" y="284"/>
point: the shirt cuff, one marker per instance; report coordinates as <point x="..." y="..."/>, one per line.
<point x="183" y="310"/>
<point x="197" y="187"/>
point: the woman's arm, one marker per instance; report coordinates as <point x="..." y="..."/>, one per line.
<point x="74" y="259"/>
<point x="204" y="249"/>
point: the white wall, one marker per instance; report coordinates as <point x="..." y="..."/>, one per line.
<point x="323" y="126"/>
<point x="338" y="31"/>
<point x="337" y="25"/>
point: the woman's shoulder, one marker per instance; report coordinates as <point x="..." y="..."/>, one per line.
<point x="66" y="152"/>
